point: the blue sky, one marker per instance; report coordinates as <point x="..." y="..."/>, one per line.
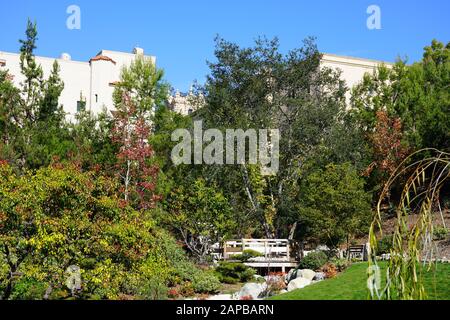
<point x="181" y="33"/>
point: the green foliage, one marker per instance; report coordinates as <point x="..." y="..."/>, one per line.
<point x="385" y="244"/>
<point x="334" y="205"/>
<point x="233" y="272"/>
<point x="34" y="131"/>
<point x="29" y="289"/>
<point x="247" y="255"/>
<point x="340" y="264"/>
<point x="144" y="81"/>
<point x="417" y="94"/>
<point x="60" y="216"/>
<point x="440" y="233"/>
<point x="314" y="260"/>
<point x="205" y="282"/>
<point x="201" y="215"/>
<point x="405" y="276"/>
<point x="260" y="87"/>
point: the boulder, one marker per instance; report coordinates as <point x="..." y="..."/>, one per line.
<point x="319" y="276"/>
<point x="298" y="283"/>
<point x="251" y="290"/>
<point x="291" y="275"/>
<point x="306" y="273"/>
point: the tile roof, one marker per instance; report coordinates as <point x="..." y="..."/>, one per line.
<point x="102" y="58"/>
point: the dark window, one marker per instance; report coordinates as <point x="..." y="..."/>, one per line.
<point x="81" y="106"/>
<point x="190" y="111"/>
<point x="96" y="98"/>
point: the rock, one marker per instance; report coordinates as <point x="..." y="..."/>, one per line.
<point x="298" y="283"/>
<point x="251" y="289"/>
<point x="306" y="273"/>
<point x="319" y="276"/>
<point x="322" y="248"/>
<point x="290" y="275"/>
<point x="283" y="291"/>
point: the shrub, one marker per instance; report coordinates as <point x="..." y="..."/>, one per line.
<point x="233" y="272"/>
<point x="247" y="255"/>
<point x="440" y="233"/>
<point x="247" y="274"/>
<point x="330" y="270"/>
<point x="29" y="289"/>
<point x="274" y="284"/>
<point x="153" y="290"/>
<point x="341" y="264"/>
<point x="385" y="244"/>
<point x="228" y="280"/>
<point x="205" y="282"/>
<point x="60" y="214"/>
<point x="313" y="261"/>
<point x="186" y="289"/>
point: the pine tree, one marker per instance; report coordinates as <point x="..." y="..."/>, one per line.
<point x="49" y="108"/>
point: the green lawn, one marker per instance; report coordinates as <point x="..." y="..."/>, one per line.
<point x="351" y="285"/>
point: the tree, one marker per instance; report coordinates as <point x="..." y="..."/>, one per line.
<point x="333" y="205"/>
<point x="35" y="131"/>
<point x="144" y="84"/>
<point x="130" y="132"/>
<point x="201" y="215"/>
<point x="50" y="109"/>
<point x="260" y="88"/>
<point x="388" y="149"/>
<point x="138" y="94"/>
<point x="92" y="137"/>
<point x="416" y="94"/>
<point x="60" y="217"/>
<point x="9" y="102"/>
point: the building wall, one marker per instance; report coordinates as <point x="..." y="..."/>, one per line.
<point x="352" y="69"/>
<point x="92" y="80"/>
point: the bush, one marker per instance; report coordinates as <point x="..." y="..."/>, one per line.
<point x="330" y="270"/>
<point x="153" y="290"/>
<point x="205" y="282"/>
<point x="228" y="280"/>
<point x="313" y="261"/>
<point x="29" y="289"/>
<point x="247" y="255"/>
<point x="385" y="244"/>
<point x="233" y="272"/>
<point x="440" y="233"/>
<point x="340" y="264"/>
<point x="78" y="216"/>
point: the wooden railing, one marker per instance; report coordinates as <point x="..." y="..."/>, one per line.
<point x="278" y="249"/>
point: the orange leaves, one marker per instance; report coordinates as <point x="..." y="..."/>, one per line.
<point x="387" y="145"/>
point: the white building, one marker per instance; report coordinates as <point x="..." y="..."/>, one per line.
<point x="87" y="85"/>
<point x="93" y="82"/>
<point x="353" y="69"/>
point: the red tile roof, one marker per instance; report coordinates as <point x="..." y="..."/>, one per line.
<point x="102" y="58"/>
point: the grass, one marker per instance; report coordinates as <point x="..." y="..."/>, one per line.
<point x="351" y="285"/>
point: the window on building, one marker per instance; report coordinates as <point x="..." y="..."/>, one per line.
<point x="96" y="98"/>
<point x="190" y="111"/>
<point x="2" y="63"/>
<point x="81" y="106"/>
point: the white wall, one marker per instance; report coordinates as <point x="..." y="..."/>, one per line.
<point x="353" y="69"/>
<point x="89" y="78"/>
